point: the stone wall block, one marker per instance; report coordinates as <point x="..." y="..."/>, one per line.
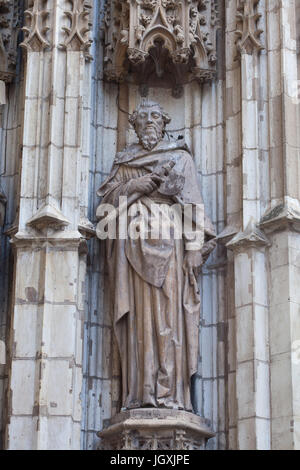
<point x="23" y="386"/>
<point x="28" y="317"/>
<point x="61" y="277"/>
<point x="60" y="393"/>
<point x="281" y="392"/>
<point x="245" y="333"/>
<point x="245" y="395"/>
<point x="22" y="432"/>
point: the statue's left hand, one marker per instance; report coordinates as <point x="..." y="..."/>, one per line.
<point x="192" y="263"/>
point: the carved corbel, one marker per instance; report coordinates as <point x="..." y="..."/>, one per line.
<point x="247" y="32"/>
<point x="78" y="38"/>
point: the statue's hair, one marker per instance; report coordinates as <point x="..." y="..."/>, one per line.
<point x="145" y="103"/>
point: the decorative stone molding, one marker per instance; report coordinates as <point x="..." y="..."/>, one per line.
<point x="162" y="37"/>
<point x="9" y="24"/>
<point x="247" y="31"/>
<point x="251" y="237"/>
<point x="155" y="429"/>
<point x="36" y="26"/>
<point x="68" y="240"/>
<point x="48" y="217"/>
<point x="78" y="38"/>
<point x="282" y="217"/>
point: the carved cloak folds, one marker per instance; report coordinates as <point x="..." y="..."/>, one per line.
<point x="156" y="307"/>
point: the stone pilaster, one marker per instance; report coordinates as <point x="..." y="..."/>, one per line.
<point x="285" y="336"/>
<point x="233" y="144"/>
<point x="247" y="242"/>
<point x="45" y="379"/>
<point x="252" y="339"/>
<point x="282" y="224"/>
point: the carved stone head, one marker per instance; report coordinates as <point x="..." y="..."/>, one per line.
<point x="149" y="121"/>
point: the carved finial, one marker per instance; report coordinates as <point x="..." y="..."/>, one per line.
<point x="78" y="38"/>
<point x="36" y="27"/>
<point x="247" y="31"/>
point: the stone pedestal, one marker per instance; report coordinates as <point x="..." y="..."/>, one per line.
<point x="155" y="429"/>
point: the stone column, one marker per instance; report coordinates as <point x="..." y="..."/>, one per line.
<point x="282" y="224"/>
<point x="2" y="93"/>
<point x="233" y="200"/>
<point x="249" y="247"/>
<point x="45" y="379"/>
<point x="252" y="352"/>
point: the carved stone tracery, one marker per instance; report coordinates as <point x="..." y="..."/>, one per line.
<point x="184" y="31"/>
<point x="36" y="26"/>
<point x="155" y="429"/>
<point x="80" y="25"/>
<point x="76" y="28"/>
<point x="9" y="23"/>
<point x="247" y="32"/>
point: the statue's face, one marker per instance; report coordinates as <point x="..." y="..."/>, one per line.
<point x="149" y="126"/>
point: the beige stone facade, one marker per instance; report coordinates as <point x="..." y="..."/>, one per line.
<point x="70" y="73"/>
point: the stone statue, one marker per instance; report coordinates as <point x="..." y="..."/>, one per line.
<point x="155" y="297"/>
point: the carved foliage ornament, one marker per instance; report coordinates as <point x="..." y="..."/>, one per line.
<point x="184" y="28"/>
<point x="9" y="23"/>
<point x="248" y="32"/>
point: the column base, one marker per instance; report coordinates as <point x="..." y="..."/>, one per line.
<point x="155" y="429"/>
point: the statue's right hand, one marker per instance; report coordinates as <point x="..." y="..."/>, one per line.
<point x="145" y="184"/>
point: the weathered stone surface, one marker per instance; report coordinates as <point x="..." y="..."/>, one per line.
<point x="161" y="38"/>
<point x="10" y="20"/>
<point x="155" y="429"/>
<point x="61" y="124"/>
<point x="155" y="301"/>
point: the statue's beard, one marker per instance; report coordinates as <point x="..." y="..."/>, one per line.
<point x="150" y="137"/>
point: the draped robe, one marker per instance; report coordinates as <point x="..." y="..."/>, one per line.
<point x="156" y="307"/>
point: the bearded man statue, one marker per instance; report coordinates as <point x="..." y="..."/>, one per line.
<point x="155" y="296"/>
